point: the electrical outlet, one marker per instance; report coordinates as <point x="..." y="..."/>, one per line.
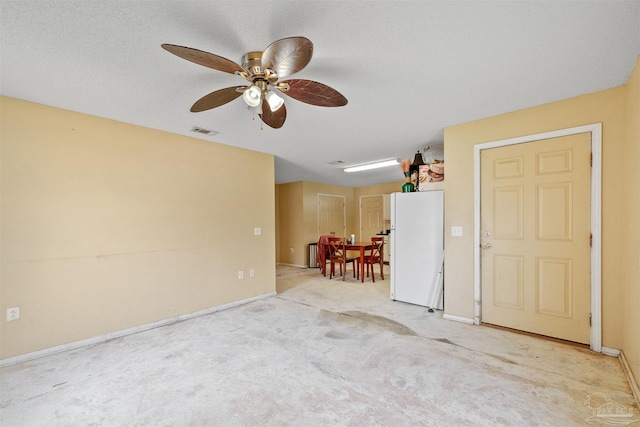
<point x="252" y="273"/>
<point x="291" y="249"/>
<point x="13" y="313"/>
<point x="257" y="231"/>
<point x="240" y="274"/>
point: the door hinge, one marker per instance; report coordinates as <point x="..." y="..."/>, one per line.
<point x="590" y="240"/>
<point x="591" y="160"/>
<point x="589" y="319"/>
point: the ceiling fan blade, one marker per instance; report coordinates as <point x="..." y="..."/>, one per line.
<point x="216" y="99"/>
<point x="313" y="93"/>
<point x="287" y="56"/>
<point x="274" y="119"/>
<point x="205" y="58"/>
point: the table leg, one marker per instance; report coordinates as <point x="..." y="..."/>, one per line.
<point x="362" y="264"/>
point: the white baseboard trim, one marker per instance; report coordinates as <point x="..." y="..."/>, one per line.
<point x="632" y="380"/>
<point x="458" y="318"/>
<point x="610" y="351"/>
<point x="294" y="265"/>
<point x="124" y="332"/>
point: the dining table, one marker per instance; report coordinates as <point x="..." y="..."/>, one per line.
<point x="361" y="247"/>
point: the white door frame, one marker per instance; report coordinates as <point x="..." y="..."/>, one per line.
<point x="595" y="130"/>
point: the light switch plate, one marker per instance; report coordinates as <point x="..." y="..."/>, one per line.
<point x="456" y="231"/>
<point x="257" y="231"/>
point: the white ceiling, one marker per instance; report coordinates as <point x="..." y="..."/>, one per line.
<point x="408" y="68"/>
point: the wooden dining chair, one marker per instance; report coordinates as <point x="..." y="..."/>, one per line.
<point x="375" y="256"/>
<point x="323" y="252"/>
<point x="338" y="255"/>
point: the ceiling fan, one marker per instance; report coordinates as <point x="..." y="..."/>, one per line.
<point x="263" y="70"/>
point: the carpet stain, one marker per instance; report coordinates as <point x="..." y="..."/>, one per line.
<point x="369" y="320"/>
<point x="502" y="359"/>
<point x="382" y="323"/>
<point x="335" y="335"/>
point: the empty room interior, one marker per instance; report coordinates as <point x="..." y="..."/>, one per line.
<point x="194" y="233"/>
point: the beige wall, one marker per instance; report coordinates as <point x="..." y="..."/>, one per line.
<point x="631" y="225"/>
<point x="607" y="107"/>
<point x="276" y="191"/>
<point x="388" y="188"/>
<point x="290" y="224"/>
<point x="107" y="226"/>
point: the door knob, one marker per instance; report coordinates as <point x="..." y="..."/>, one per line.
<point x="486" y="245"/>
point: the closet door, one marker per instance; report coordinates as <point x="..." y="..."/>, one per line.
<point x="371" y="217"/>
<point x="331" y="215"/>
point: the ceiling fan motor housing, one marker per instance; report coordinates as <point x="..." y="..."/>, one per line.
<point x="252" y="62"/>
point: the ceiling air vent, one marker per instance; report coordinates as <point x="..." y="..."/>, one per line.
<point x="204" y="131"/>
<point x="337" y="162"/>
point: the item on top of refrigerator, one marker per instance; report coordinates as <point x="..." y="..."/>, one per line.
<point x="414" y="168"/>
<point x="430" y="173"/>
<point x="437" y="169"/>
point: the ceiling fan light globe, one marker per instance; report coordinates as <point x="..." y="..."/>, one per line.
<point x="275" y="102"/>
<point x="252" y="96"/>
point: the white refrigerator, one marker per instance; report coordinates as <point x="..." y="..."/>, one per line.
<point x="417" y="248"/>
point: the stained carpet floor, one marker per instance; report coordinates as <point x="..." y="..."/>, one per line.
<point x="320" y="353"/>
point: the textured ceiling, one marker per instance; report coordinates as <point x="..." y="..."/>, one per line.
<point x="408" y="68"/>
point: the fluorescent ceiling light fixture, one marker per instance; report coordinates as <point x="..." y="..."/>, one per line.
<point x="375" y="165"/>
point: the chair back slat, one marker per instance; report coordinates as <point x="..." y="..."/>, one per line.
<point x="338" y="255"/>
<point x="322" y="256"/>
<point x="375" y="256"/>
<point x="376" y="247"/>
